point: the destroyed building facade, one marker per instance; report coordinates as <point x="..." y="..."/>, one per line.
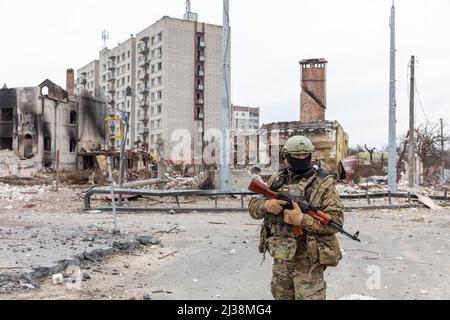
<point x="329" y="137"/>
<point x="44" y="124"/>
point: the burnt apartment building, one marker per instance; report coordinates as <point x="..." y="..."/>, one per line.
<point x="40" y="124"/>
<point x="329" y="137"/>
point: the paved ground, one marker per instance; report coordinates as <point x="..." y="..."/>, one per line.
<point x="404" y="254"/>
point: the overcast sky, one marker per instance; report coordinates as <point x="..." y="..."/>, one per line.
<point x="41" y="39"/>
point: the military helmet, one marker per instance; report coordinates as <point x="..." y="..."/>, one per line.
<point x="298" y="145"/>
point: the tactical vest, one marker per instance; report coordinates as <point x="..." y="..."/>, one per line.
<point x="300" y="188"/>
<point x="324" y="248"/>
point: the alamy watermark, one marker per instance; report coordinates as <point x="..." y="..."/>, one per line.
<point x="374" y="280"/>
<point x="244" y="147"/>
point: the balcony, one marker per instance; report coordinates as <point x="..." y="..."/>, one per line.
<point x="201" y="58"/>
<point x="143" y="117"/>
<point x="201" y="116"/>
<point x="111" y="90"/>
<point x="200" y="101"/>
<point x="200" y="87"/>
<point x="143" y="131"/>
<point x="144" y="50"/>
<point x="111" y="101"/>
<point x="144" y="105"/>
<point x="144" y="76"/>
<point x="201" y="73"/>
<point x="201" y="44"/>
<point x="144" y="91"/>
<point x="143" y="63"/>
<point x="111" y="66"/>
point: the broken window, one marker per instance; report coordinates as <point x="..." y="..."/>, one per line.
<point x="73" y="118"/>
<point x="6" y="143"/>
<point x="47" y="143"/>
<point x="72" y="145"/>
<point x="28" y="146"/>
<point x="6" y="114"/>
<point x="44" y="91"/>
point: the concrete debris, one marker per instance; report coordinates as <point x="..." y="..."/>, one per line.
<point x="12" y="283"/>
<point x="148" y="241"/>
<point x="86" y="276"/>
<point x="428" y="202"/>
<point x="68" y="272"/>
<point x="58" y="279"/>
<point x="21" y="194"/>
<point x="421" y="219"/>
<point x="94" y="212"/>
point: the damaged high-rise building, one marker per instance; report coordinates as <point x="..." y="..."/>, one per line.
<point x="167" y="79"/>
<point x="41" y="124"/>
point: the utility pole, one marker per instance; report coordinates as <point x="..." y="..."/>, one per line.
<point x="412" y="145"/>
<point x="392" y="110"/>
<point x="226" y="97"/>
<point x="124" y="125"/>
<point x="442" y="150"/>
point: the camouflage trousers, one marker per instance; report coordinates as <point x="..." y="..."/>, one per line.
<point x="298" y="279"/>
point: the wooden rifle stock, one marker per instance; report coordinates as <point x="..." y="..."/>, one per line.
<point x="261" y="188"/>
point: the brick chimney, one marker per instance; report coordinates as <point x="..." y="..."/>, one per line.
<point x="314" y="90"/>
<point x="70" y="82"/>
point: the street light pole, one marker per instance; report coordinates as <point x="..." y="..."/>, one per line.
<point x="392" y="110"/>
<point x="226" y="97"/>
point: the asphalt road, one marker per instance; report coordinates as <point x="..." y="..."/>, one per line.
<point x="403" y="255"/>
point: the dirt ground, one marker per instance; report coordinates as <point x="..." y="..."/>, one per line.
<point x="404" y="254"/>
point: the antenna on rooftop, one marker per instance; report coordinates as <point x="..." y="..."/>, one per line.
<point x="189" y="15"/>
<point x="188" y="6"/>
<point x="105" y="37"/>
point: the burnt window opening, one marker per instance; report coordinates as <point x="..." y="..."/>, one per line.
<point x="28" y="146"/>
<point x="47" y="144"/>
<point x="6" y="143"/>
<point x="72" y="145"/>
<point x="44" y="91"/>
<point x="73" y="118"/>
<point x="6" y="114"/>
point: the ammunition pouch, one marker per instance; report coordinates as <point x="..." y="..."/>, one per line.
<point x="282" y="248"/>
<point x="326" y="250"/>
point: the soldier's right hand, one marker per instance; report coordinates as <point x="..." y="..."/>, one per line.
<point x="275" y="207"/>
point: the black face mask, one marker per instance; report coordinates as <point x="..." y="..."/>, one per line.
<point x="299" y="166"/>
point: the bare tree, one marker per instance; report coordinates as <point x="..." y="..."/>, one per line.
<point x="355" y="150"/>
<point x="371" y="152"/>
<point x="428" y="147"/>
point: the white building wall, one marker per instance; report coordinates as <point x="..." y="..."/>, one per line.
<point x="213" y="76"/>
<point x="116" y="75"/>
<point x="88" y="79"/>
<point x="178" y="76"/>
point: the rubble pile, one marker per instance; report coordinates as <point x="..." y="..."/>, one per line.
<point x="11" y="193"/>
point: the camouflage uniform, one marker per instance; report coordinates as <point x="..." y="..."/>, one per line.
<point x="301" y="276"/>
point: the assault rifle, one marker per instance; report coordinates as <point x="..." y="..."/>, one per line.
<point x="259" y="187"/>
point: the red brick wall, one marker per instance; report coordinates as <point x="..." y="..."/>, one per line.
<point x="314" y="80"/>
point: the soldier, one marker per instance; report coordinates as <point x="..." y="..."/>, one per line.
<point x="299" y="261"/>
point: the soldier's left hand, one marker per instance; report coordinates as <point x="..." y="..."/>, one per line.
<point x="294" y="217"/>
